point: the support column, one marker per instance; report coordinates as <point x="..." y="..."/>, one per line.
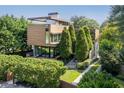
<point x="34" y="51"/>
<point x="45" y="52"/>
<point x="49" y="52"/>
<point x="54" y="52"/>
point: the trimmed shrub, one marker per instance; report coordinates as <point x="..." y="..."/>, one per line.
<point x="84" y="65"/>
<point x="65" y="46"/>
<point x="37" y="72"/>
<point x="88" y="36"/>
<point x="7" y="63"/>
<point x="82" y="48"/>
<point x="98" y="80"/>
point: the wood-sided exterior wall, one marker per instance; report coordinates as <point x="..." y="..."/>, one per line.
<point x="56" y="29"/>
<point x="36" y="34"/>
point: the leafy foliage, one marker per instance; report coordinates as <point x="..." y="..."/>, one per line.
<point x="116" y="18"/>
<point x="121" y="56"/>
<point x="82" y="47"/>
<point x="38" y="72"/>
<point x="109" y="57"/>
<point x="7" y="41"/>
<point x="13" y="34"/>
<point x="110" y="46"/>
<point x="79" y="21"/>
<point x="98" y="80"/>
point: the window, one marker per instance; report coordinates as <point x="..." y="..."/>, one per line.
<point x="47" y="37"/>
<point x="55" y="37"/>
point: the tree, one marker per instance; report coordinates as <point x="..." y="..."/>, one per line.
<point x="111" y="33"/>
<point x="16" y="28"/>
<point x="65" y="46"/>
<point x="79" y="21"/>
<point x="110" y="45"/>
<point x="82" y="48"/>
<point x="109" y="57"/>
<point x="73" y="37"/>
<point x="116" y="17"/>
<point x="88" y="36"/>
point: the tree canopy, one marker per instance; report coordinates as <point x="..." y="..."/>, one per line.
<point x="79" y="21"/>
<point x="13" y="34"/>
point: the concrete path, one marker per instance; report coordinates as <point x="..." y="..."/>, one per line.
<point x="72" y="64"/>
<point x="9" y="84"/>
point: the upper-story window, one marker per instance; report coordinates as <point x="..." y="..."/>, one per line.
<point x="55" y="37"/>
<point x="46" y="27"/>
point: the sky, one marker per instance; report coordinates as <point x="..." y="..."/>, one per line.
<point x="99" y="12"/>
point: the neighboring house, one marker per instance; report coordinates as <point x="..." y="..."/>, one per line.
<point x="95" y="51"/>
<point x="45" y="32"/>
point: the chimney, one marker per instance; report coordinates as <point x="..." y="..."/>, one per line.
<point x="53" y="15"/>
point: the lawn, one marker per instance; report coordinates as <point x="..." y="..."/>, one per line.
<point x="70" y="75"/>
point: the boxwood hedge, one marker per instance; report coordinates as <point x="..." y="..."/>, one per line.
<point x="38" y="72"/>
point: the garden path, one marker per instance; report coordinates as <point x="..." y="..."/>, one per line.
<point x="72" y="64"/>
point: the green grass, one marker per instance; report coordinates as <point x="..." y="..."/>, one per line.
<point x="70" y="75"/>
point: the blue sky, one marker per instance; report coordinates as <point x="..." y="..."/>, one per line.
<point x="99" y="13"/>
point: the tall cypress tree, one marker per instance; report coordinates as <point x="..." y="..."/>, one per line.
<point x="82" y="48"/>
<point x="88" y="36"/>
<point x="73" y="37"/>
<point x="65" y="46"/>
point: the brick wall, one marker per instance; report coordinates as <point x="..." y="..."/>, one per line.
<point x="64" y="84"/>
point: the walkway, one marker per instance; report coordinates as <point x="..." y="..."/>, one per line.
<point x="72" y="64"/>
<point x="9" y="84"/>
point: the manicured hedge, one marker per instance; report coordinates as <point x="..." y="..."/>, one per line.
<point x="83" y="65"/>
<point x="7" y="63"/>
<point x="38" y="72"/>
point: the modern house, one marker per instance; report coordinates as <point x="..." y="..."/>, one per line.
<point x="45" y="32"/>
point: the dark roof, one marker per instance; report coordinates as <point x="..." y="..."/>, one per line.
<point x="53" y="13"/>
<point x="47" y="18"/>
